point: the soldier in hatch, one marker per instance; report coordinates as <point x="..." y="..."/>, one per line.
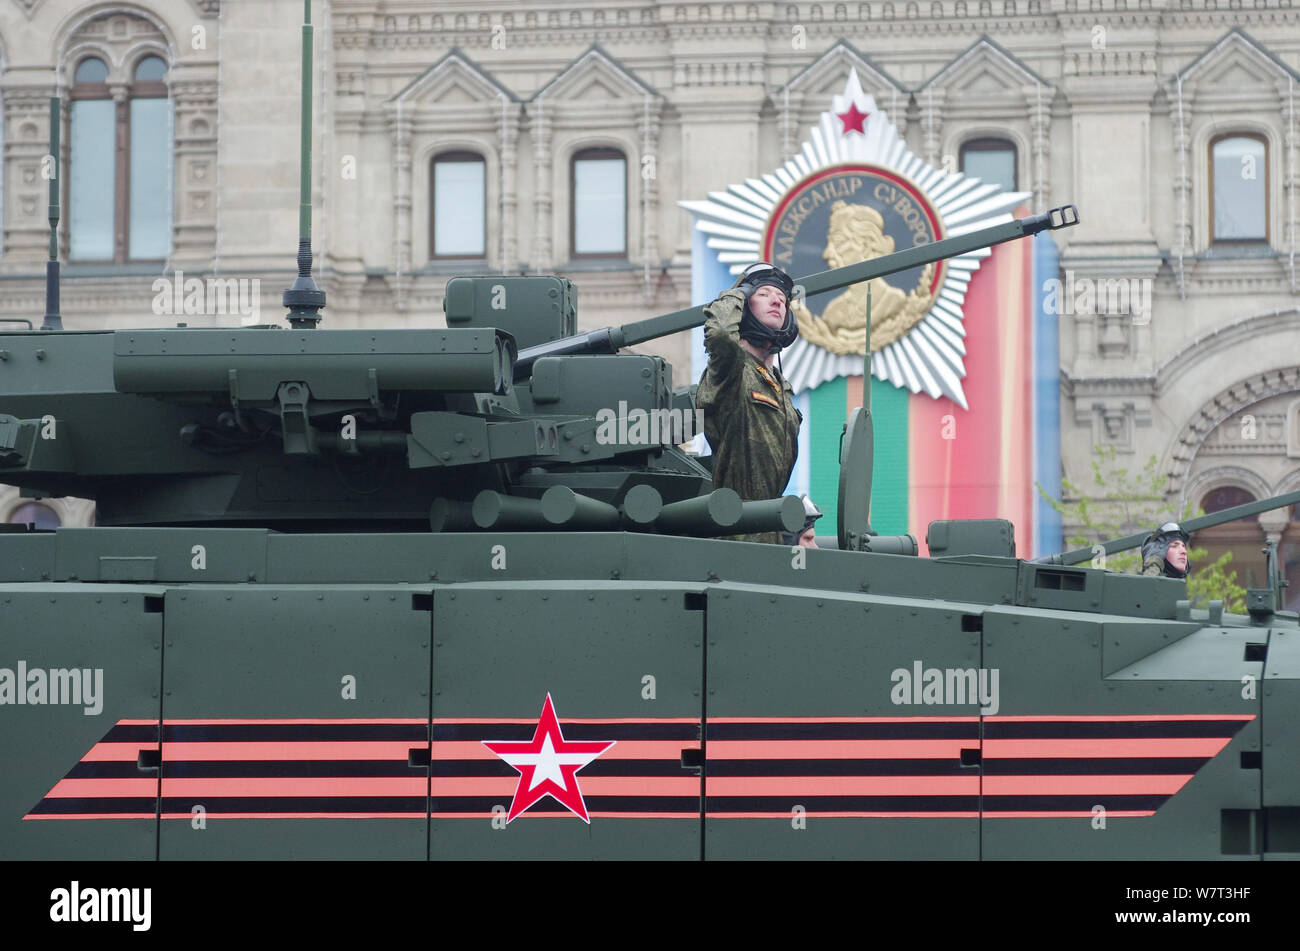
<point x="1164" y="553"/>
<point x="750" y="418"/>
<point x="807" y="536"/>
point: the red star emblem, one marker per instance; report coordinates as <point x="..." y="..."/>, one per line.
<point x="548" y="765"/>
<point x="852" y="119"/>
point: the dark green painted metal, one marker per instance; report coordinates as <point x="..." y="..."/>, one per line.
<point x="280" y="652"/>
<point x="254" y="551"/>
<point x="791" y="654"/>
<point x="107" y="627"/>
<point x="500" y="649"/>
<point x="1279" y="690"/>
<point x="1051" y="664"/>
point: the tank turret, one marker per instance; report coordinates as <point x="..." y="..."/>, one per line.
<point x="310" y="429"/>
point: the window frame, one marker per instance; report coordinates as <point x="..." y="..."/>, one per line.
<point x="1209" y="157"/>
<point x="596" y="153"/>
<point x="135" y="89"/>
<point x="992" y="143"/>
<point x="455" y="155"/>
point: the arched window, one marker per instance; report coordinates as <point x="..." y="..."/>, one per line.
<point x="1226" y="497"/>
<point x="92" y="179"/>
<point x="458" y="206"/>
<point x="598" y="204"/>
<point x="1242" y="537"/>
<point x="119" y="181"/>
<point x="1238" y="188"/>
<point x="34" y="514"/>
<point x="991" y="161"/>
<point x="149" y="207"/>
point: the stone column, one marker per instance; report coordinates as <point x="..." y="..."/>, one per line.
<point x="121" y="132"/>
<point x="1181" y="123"/>
<point x="1289" y="93"/>
<point x="194" y="229"/>
<point x="26" y="193"/>
<point x="1040" y="124"/>
<point x="650" y="116"/>
<point x="1274" y="523"/>
<point x="542" y="192"/>
<point x="400" y="128"/>
<point x="932" y="124"/>
<point x="508" y="130"/>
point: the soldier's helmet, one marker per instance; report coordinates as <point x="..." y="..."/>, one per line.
<point x="751" y="328"/>
<point x="1156" y="546"/>
<point x="811" y="513"/>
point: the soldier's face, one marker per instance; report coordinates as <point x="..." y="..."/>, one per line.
<point x="768" y="305"/>
<point x="1177" y="554"/>
<point x="808" y="539"/>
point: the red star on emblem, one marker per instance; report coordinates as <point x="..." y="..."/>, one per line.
<point x="852" y="119"/>
<point x="548" y="765"/>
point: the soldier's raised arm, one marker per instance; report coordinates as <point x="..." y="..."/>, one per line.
<point x="722" y="335"/>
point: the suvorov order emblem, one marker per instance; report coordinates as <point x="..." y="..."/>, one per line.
<point x="846" y="214"/>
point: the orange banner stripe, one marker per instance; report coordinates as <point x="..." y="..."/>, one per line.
<point x="839" y="814"/>
<point x="96" y="815"/>
<point x="1121" y="718"/>
<point x="200" y="786"/>
<point x="386" y="750"/>
<point x="116" y="752"/>
<point x="1080" y="785"/>
<point x="145" y="787"/>
<point x="843" y="786"/>
<point x="1182" y="746"/>
<point x="839" y="749"/>
<point x="801" y="720"/>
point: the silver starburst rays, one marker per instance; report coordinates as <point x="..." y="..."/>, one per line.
<point x="930" y="356"/>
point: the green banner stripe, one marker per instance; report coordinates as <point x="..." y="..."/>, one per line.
<point x="826" y="406"/>
<point x="889" y="482"/>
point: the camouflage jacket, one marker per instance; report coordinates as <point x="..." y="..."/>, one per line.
<point x="1154" y="566"/>
<point x="750" y="418"/>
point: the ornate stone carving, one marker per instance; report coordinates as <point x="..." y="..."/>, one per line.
<point x="1225" y="404"/>
<point x="28" y="6"/>
<point x="597" y="92"/>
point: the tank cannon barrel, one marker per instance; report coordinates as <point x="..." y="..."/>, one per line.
<point x="1080" y="555"/>
<point x="611" y="339"/>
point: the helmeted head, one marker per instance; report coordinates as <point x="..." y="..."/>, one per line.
<point x="1168" y="543"/>
<point x="767" y="321"/>
<point x="805" y="535"/>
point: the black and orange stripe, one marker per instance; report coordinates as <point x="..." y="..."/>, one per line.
<point x="911" y="767"/>
<point x="356" y="768"/>
<point x="758" y="767"/>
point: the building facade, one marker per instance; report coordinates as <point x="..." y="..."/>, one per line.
<point x="470" y="136"/>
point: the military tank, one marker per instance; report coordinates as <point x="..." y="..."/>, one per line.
<point x="459" y="593"/>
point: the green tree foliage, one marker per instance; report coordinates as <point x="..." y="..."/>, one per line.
<point x="1123" y="502"/>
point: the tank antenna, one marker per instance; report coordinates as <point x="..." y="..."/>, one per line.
<point x="52" y="319"/>
<point x="304" y="299"/>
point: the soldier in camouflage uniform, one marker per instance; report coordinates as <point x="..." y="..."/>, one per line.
<point x="750" y="418"/>
<point x="1164" y="553"/>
